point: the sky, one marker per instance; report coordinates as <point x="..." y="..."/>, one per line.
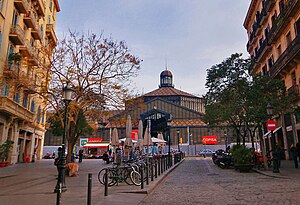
<point x="186" y="36"/>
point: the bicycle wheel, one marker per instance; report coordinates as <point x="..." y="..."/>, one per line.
<point x="101" y="174"/>
<point x="135" y="178"/>
<point x="112" y="177"/>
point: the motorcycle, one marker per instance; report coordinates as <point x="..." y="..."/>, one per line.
<point x="225" y="161"/>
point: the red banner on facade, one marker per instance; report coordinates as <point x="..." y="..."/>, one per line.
<point x="95" y="139"/>
<point x="133" y="134"/>
<point x="212" y="139"/>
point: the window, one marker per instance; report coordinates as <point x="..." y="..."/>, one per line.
<point x="32" y="107"/>
<point x="51" y="5"/>
<point x="281" y="6"/>
<point x="25" y="100"/>
<point x="15" y="18"/>
<point x="264" y="70"/>
<point x="0" y="37"/>
<point x="297" y="27"/>
<point x="39" y="114"/>
<point x="1" y="5"/>
<point x="288" y="38"/>
<point x="270" y="62"/>
<point x="17" y="96"/>
<point x="5" y="89"/>
<point x="279" y="50"/>
<point x="293" y="77"/>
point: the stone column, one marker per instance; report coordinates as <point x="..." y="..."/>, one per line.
<point x="14" y="132"/>
<point x="285" y="144"/>
<point x="295" y="135"/>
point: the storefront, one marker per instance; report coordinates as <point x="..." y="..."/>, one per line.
<point x="93" y="147"/>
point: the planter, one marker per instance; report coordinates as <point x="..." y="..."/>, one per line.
<point x="3" y="164"/>
<point x="243" y="167"/>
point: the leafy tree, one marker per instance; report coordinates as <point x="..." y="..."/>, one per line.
<point x="239" y="100"/>
<point x="99" y="71"/>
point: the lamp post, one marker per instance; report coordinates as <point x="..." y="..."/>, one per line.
<point x="270" y="111"/>
<point x="60" y="186"/>
<point x="178" y="132"/>
<point x="169" y="124"/>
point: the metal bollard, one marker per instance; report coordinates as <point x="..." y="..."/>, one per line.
<point x="89" y="193"/>
<point x="155" y="173"/>
<point x="142" y="176"/>
<point x="147" y="173"/>
<point x="106" y="183"/>
<point x="151" y="164"/>
<point x="158" y="164"/>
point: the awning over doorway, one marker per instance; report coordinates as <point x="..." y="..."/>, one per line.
<point x="96" y="145"/>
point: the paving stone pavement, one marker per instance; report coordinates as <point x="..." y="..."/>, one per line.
<point x="205" y="183"/>
<point x="193" y="181"/>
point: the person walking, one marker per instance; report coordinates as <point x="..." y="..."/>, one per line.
<point x="294" y="152"/>
<point x="298" y="150"/>
<point x="80" y="155"/>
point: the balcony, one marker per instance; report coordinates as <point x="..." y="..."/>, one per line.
<point x="28" y="51"/>
<point x="22" y="6"/>
<point x="30" y="20"/>
<point x="268" y="5"/>
<point x="39" y="6"/>
<point x="262" y="50"/>
<point x="288" y="58"/>
<point x="293" y="90"/>
<point x="37" y="33"/>
<point x="12" y="71"/>
<point x="281" y="22"/>
<point x="13" y="109"/>
<point x="51" y="34"/>
<point x="17" y="35"/>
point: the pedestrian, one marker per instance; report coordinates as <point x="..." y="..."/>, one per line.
<point x="105" y="157"/>
<point x="294" y="155"/>
<point x="80" y="155"/>
<point x="298" y="150"/>
<point x="57" y="159"/>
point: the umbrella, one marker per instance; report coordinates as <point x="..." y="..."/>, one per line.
<point x="124" y="140"/>
<point x="115" y="141"/>
<point x="115" y="138"/>
<point x="156" y="140"/>
<point x="128" y="141"/>
<point x="140" y="135"/>
<point x="147" y="139"/>
<point x="160" y="136"/>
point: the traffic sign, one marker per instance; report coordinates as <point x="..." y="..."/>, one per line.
<point x="271" y="125"/>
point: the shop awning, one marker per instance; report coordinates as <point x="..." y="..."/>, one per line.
<point x="96" y="145"/>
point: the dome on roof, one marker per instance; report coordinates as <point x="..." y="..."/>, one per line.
<point x="166" y="73"/>
<point x="166" y="79"/>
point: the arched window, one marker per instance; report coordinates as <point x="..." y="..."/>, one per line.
<point x="32" y="107"/>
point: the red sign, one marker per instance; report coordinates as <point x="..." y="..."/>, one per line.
<point x="271" y="125"/>
<point x="209" y="139"/>
<point x="133" y="134"/>
<point x="95" y="139"/>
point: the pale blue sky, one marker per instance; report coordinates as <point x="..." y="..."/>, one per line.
<point x="192" y="34"/>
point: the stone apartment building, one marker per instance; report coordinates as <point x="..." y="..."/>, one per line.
<point x="27" y="37"/>
<point x="273" y="28"/>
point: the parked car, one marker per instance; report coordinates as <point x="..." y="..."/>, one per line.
<point x="206" y="152"/>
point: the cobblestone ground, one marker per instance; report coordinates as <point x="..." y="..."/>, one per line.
<point x="199" y="181"/>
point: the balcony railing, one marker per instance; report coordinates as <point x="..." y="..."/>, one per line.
<point x="30" y="20"/>
<point x="14" y="109"/>
<point x="268" y="5"/>
<point x="39" y="6"/>
<point x="51" y="34"/>
<point x="22" y="6"/>
<point x="37" y="33"/>
<point x="282" y="19"/>
<point x="262" y="49"/>
<point x="17" y="35"/>
<point x="286" y="59"/>
<point x="293" y="90"/>
<point x="28" y="51"/>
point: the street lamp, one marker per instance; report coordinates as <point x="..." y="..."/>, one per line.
<point x="169" y="124"/>
<point x="60" y="186"/>
<point x="270" y="111"/>
<point x="178" y="132"/>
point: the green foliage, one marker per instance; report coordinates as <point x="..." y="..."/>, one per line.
<point x="14" y="58"/>
<point x="241" y="155"/>
<point x="4" y="150"/>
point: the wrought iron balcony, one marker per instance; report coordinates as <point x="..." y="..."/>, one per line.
<point x="14" y="109"/>
<point x="264" y="47"/>
<point x="268" y="5"/>
<point x="39" y="6"/>
<point x="51" y="34"/>
<point x="28" y="51"/>
<point x="22" y="6"/>
<point x="279" y="24"/>
<point x="293" y="90"/>
<point x="288" y="58"/>
<point x="16" y="35"/>
<point x="30" y="20"/>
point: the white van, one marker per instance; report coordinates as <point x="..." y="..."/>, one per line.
<point x="249" y="145"/>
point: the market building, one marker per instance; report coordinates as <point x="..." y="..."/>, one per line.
<point x="27" y="37"/>
<point x="273" y="28"/>
<point x="173" y="112"/>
